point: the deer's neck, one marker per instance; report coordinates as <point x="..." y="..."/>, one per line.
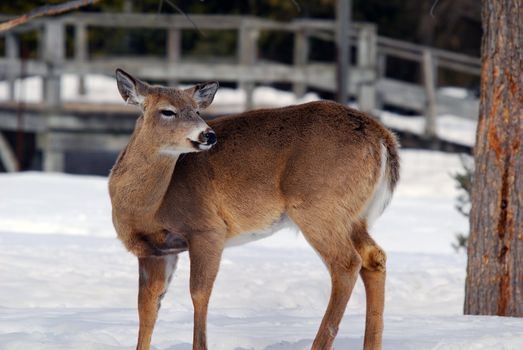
<point x="140" y="179"/>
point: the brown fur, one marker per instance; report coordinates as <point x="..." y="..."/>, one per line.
<point x="318" y="163"/>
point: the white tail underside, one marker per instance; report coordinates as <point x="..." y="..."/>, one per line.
<point x="382" y="192"/>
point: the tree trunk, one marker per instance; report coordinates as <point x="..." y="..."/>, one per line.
<point x="494" y="283"/>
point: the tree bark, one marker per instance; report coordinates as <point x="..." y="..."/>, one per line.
<point x="494" y="284"/>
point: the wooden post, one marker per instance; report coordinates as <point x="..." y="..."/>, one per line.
<point x="81" y="53"/>
<point x="366" y="97"/>
<point x="13" y="55"/>
<point x="429" y="81"/>
<point x="54" y="161"/>
<point x="174" y="50"/>
<point x="382" y="66"/>
<point x="53" y="156"/>
<point x="343" y="20"/>
<point x="301" y="56"/>
<point x="366" y="60"/>
<point x="40" y="43"/>
<point x="53" y="55"/>
<point x="381" y="74"/>
<point x="127" y="6"/>
<point x="367" y="46"/>
<point x="248" y="51"/>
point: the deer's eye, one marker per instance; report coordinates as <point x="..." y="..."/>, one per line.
<point x="168" y="113"/>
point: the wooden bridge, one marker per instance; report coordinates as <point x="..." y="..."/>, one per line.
<point x="62" y="126"/>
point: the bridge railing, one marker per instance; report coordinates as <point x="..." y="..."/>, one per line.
<point x="367" y="76"/>
<point x="247" y="70"/>
<point x="62" y="128"/>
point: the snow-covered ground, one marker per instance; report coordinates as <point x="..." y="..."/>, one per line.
<point x="67" y="283"/>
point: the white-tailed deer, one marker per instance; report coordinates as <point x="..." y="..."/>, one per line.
<point x="327" y="168"/>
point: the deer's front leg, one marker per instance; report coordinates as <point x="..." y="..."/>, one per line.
<point x="155" y="275"/>
<point x="205" y="252"/>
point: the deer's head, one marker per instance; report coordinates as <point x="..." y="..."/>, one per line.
<point x="171" y="117"/>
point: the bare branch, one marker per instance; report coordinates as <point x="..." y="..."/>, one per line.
<point x="173" y="5"/>
<point x="46" y="10"/>
<point x="160" y="6"/>
<point x="433" y="7"/>
<point x="297" y="5"/>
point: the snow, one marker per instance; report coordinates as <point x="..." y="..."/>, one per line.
<point x="67" y="283"/>
<point x="102" y="89"/>
<point x="448" y="127"/>
<point x="453" y="91"/>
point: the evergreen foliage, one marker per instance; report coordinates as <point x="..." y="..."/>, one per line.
<point x="464" y="184"/>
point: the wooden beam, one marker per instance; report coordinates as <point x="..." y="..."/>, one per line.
<point x="174" y="50"/>
<point x="366" y="47"/>
<point x="12" y="48"/>
<point x="366" y="58"/>
<point x="60" y="142"/>
<point x="429" y="82"/>
<point x="248" y="52"/>
<point x="80" y="53"/>
<point x="53" y="55"/>
<point x="343" y="19"/>
<point x="301" y="56"/>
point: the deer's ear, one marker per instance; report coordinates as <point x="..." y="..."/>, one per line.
<point x="132" y="89"/>
<point x="203" y="93"/>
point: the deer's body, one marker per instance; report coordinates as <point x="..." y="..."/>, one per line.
<point x="327" y="168"/>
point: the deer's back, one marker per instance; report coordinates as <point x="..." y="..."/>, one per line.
<point x="268" y="160"/>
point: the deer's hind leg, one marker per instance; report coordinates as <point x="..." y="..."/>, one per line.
<point x="155" y="276"/>
<point x="373" y="276"/>
<point x="333" y="244"/>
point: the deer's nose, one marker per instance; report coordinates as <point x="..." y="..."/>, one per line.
<point x="208" y="137"/>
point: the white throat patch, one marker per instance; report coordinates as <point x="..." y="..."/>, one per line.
<point x="174" y="153"/>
